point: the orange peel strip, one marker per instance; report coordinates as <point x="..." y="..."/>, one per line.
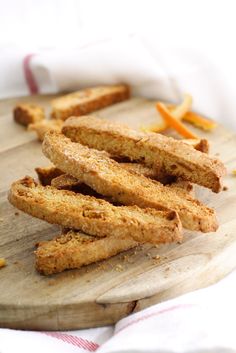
<point x="174" y="122"/>
<point x="178" y="111"/>
<point x="199" y="121"/>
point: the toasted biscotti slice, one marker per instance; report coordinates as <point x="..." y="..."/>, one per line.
<point x="68" y="182"/>
<point x="88" y="100"/>
<point x="42" y="127"/>
<point x="94" y="216"/>
<point x="76" y="249"/>
<point x="173" y="156"/>
<point x="47" y="174"/>
<point x="108" y="178"/>
<point x="25" y="113"/>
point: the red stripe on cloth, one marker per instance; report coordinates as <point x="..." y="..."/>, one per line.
<point x="29" y="77"/>
<point x="156" y="313"/>
<point x="74" y="340"/>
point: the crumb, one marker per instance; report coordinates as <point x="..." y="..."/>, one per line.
<point x="217" y="154"/>
<point x="234" y="172"/>
<point x="16" y="262"/>
<point x="119" y="268"/>
<point x="167" y="268"/>
<point x="225" y="188"/>
<point x="2" y="262"/>
<point x="16" y="213"/>
<point x="102" y="266"/>
<point x="126" y="258"/>
<point x="157" y="257"/>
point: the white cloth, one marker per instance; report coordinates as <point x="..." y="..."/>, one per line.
<point x="197" y="322"/>
<point x="201" y="321"/>
<point x="151" y="71"/>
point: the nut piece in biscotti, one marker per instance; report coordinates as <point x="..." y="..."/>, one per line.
<point x="173" y="156"/>
<point x="94" y="216"/>
<point x="108" y="178"/>
<point x="42" y="127"/>
<point x="201" y="145"/>
<point x="47" y="174"/>
<point x="65" y="182"/>
<point x="88" y="100"/>
<point x="25" y="114"/>
<point x="76" y="249"/>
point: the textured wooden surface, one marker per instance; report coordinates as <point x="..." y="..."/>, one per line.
<point x="102" y="293"/>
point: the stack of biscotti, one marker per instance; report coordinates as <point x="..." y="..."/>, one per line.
<point x="112" y="188"/>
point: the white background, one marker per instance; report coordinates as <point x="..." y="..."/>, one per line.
<point x="206" y="26"/>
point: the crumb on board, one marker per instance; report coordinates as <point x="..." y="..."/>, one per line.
<point x="157" y="257"/>
<point x="119" y="268"/>
<point x="225" y="188"/>
<point x="16" y="213"/>
<point x="2" y="262"/>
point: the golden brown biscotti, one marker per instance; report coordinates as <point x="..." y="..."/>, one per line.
<point x="47" y="174"/>
<point x="68" y="182"/>
<point x="88" y="100"/>
<point x="25" y="113"/>
<point x="155" y="150"/>
<point x="108" y="178"/>
<point x="94" y="216"/>
<point x="76" y="249"/>
<point x="42" y="127"/>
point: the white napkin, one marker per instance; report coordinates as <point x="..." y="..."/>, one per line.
<point x="151" y="71"/>
<point x="200" y="322"/>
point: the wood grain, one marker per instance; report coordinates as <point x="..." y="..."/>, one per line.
<point x="104" y="292"/>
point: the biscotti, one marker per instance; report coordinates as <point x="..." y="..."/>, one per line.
<point x="88" y="100"/>
<point x="68" y="182"/>
<point x="76" y="249"/>
<point x="42" y="127"/>
<point x="25" y="113"/>
<point x="94" y="216"/>
<point x="47" y="174"/>
<point x="108" y="178"/>
<point x="155" y="150"/>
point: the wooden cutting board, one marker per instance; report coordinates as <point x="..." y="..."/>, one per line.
<point x="103" y="293"/>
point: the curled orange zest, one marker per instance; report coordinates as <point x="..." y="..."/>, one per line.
<point x="174" y="122"/>
<point x="199" y="121"/>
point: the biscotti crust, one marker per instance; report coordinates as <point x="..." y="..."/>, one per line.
<point x="108" y="178"/>
<point x="88" y="100"/>
<point x="155" y="150"/>
<point x="76" y="249"/>
<point x="25" y="113"/>
<point x="94" y="216"/>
